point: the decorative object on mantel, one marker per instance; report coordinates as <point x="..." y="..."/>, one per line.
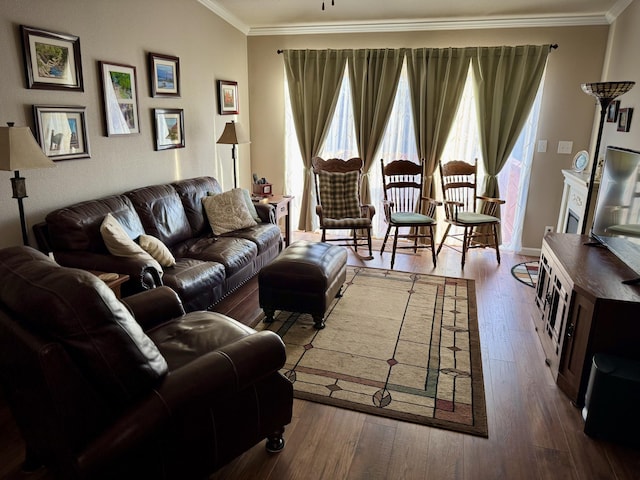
<point x="19" y="151"/>
<point x="233" y="134"/>
<point x="605" y="92"/>
<point x="580" y="161"/>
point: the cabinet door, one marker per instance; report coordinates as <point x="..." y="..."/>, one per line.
<point x="573" y="360"/>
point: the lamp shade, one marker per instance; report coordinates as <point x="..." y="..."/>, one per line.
<point x="20" y="151"/>
<point x="607" y="90"/>
<point x="233" y="134"/>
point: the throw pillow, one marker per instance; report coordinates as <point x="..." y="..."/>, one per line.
<point x="158" y="250"/>
<point x="339" y="194"/>
<point x="250" y="205"/>
<point x="227" y="212"/>
<point x="119" y="244"/>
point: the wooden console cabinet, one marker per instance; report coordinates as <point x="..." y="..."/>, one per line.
<point x="584" y="309"/>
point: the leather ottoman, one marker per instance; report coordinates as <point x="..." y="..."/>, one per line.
<point x="304" y="278"/>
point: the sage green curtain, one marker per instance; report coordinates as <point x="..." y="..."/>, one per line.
<point x="314" y="78"/>
<point x="506" y="80"/>
<point x="436" y="82"/>
<point x="373" y="76"/>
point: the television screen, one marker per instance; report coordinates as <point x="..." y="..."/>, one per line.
<point x="616" y="221"/>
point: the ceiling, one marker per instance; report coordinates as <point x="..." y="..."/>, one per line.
<point x="291" y="17"/>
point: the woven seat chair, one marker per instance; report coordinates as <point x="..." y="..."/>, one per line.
<point x="338" y="201"/>
<point x="476" y="215"/>
<point x="406" y="207"/>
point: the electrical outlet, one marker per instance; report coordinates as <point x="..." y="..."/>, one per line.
<point x="548" y="229"/>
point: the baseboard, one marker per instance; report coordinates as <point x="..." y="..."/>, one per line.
<point x="530" y="252"/>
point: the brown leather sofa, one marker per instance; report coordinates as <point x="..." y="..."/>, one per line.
<point x="100" y="390"/>
<point x="208" y="267"/>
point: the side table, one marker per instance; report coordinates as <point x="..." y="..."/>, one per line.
<point x="113" y="280"/>
<point x="281" y="204"/>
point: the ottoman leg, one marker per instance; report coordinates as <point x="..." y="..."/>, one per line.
<point x="318" y="322"/>
<point x="339" y="294"/>
<point x="268" y="315"/>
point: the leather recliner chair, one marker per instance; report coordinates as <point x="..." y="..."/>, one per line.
<point x="100" y="389"/>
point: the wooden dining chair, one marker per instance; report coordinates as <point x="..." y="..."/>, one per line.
<point x="476" y="215"/>
<point x="405" y="207"/>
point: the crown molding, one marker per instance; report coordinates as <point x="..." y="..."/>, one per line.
<point x="226" y="15"/>
<point x="426" y="25"/>
<point x="617" y="9"/>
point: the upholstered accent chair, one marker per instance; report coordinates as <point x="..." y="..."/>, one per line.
<point x="475" y="215"/>
<point x="339" y="206"/>
<point x="406" y="208"/>
<point x="104" y="389"/>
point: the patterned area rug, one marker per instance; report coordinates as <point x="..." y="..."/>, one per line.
<point x="396" y="344"/>
<point x="526" y="273"/>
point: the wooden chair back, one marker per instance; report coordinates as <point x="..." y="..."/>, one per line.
<point x="335" y="165"/>
<point x="402" y="184"/>
<point x="459" y="185"/>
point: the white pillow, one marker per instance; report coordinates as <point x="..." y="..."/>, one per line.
<point x="158" y="250"/>
<point x="227" y="211"/>
<point x="251" y="206"/>
<point x="121" y="245"/>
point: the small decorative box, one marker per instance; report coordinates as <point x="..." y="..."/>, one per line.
<point x="262" y="189"/>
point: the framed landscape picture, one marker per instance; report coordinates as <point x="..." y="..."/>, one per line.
<point x="52" y="60"/>
<point x="169" y="128"/>
<point x="165" y="75"/>
<point x="120" y="92"/>
<point x="624" y="119"/>
<point x="228" y="97"/>
<point x="62" y="131"/>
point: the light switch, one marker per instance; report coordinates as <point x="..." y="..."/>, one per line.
<point x="565" y="146"/>
<point x="542" y="146"/>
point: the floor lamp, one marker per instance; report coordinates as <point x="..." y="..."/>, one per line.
<point x="233" y="135"/>
<point x="605" y="92"/>
<point x="19" y="151"/>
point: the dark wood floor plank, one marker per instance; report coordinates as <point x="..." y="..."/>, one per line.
<point x="408" y="459"/>
<point x="373" y="450"/>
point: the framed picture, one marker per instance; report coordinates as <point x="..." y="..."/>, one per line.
<point x="52" y="60"/>
<point x="612" y="111"/>
<point x="62" y="132"/>
<point x="228" y="97"/>
<point x="624" y="119"/>
<point x="169" y="128"/>
<point x="165" y="75"/>
<point x="120" y="90"/>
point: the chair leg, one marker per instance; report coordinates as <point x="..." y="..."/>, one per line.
<point x="369" y="240"/>
<point x="324" y="235"/>
<point x="386" y="236"/>
<point x="433" y="247"/>
<point x="444" y="237"/>
<point x="465" y="243"/>
<point x="355" y="240"/>
<point x="395" y="244"/>
<point x="495" y="239"/>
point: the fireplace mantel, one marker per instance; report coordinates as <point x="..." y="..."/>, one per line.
<point x="574" y="196"/>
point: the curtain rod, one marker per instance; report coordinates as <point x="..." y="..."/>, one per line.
<point x="553" y="46"/>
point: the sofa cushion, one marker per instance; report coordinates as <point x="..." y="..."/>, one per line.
<point x="84" y="315"/>
<point x="264" y="235"/>
<point x="120" y="244"/>
<point x="232" y="252"/>
<point x="161" y="212"/>
<point x="227" y="211"/>
<point x="191" y="192"/>
<point x="198" y="283"/>
<point x="157" y="250"/>
<point x="77" y="227"/>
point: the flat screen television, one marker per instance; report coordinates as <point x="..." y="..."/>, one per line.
<point x="616" y="218"/>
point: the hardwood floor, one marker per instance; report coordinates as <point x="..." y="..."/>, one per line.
<point x="534" y="431"/>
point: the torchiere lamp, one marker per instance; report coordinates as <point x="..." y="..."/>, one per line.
<point x="605" y="92"/>
<point x="19" y="151"/>
<point x="233" y="135"/>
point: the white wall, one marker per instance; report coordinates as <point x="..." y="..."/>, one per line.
<point x="123" y="31"/>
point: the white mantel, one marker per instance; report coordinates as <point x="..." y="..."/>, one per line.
<point x="574" y="199"/>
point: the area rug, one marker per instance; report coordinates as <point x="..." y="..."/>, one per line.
<point x="396" y="344"/>
<point x="526" y="272"/>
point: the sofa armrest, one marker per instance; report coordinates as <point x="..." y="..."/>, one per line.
<point x="155" y="306"/>
<point x="197" y="384"/>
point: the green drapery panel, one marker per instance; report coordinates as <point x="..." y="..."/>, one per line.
<point x="506" y="80"/>
<point x="436" y="82"/>
<point x="314" y="78"/>
<point x="373" y="76"/>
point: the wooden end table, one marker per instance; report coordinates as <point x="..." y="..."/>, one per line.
<point x="113" y="283"/>
<point x="281" y="205"/>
